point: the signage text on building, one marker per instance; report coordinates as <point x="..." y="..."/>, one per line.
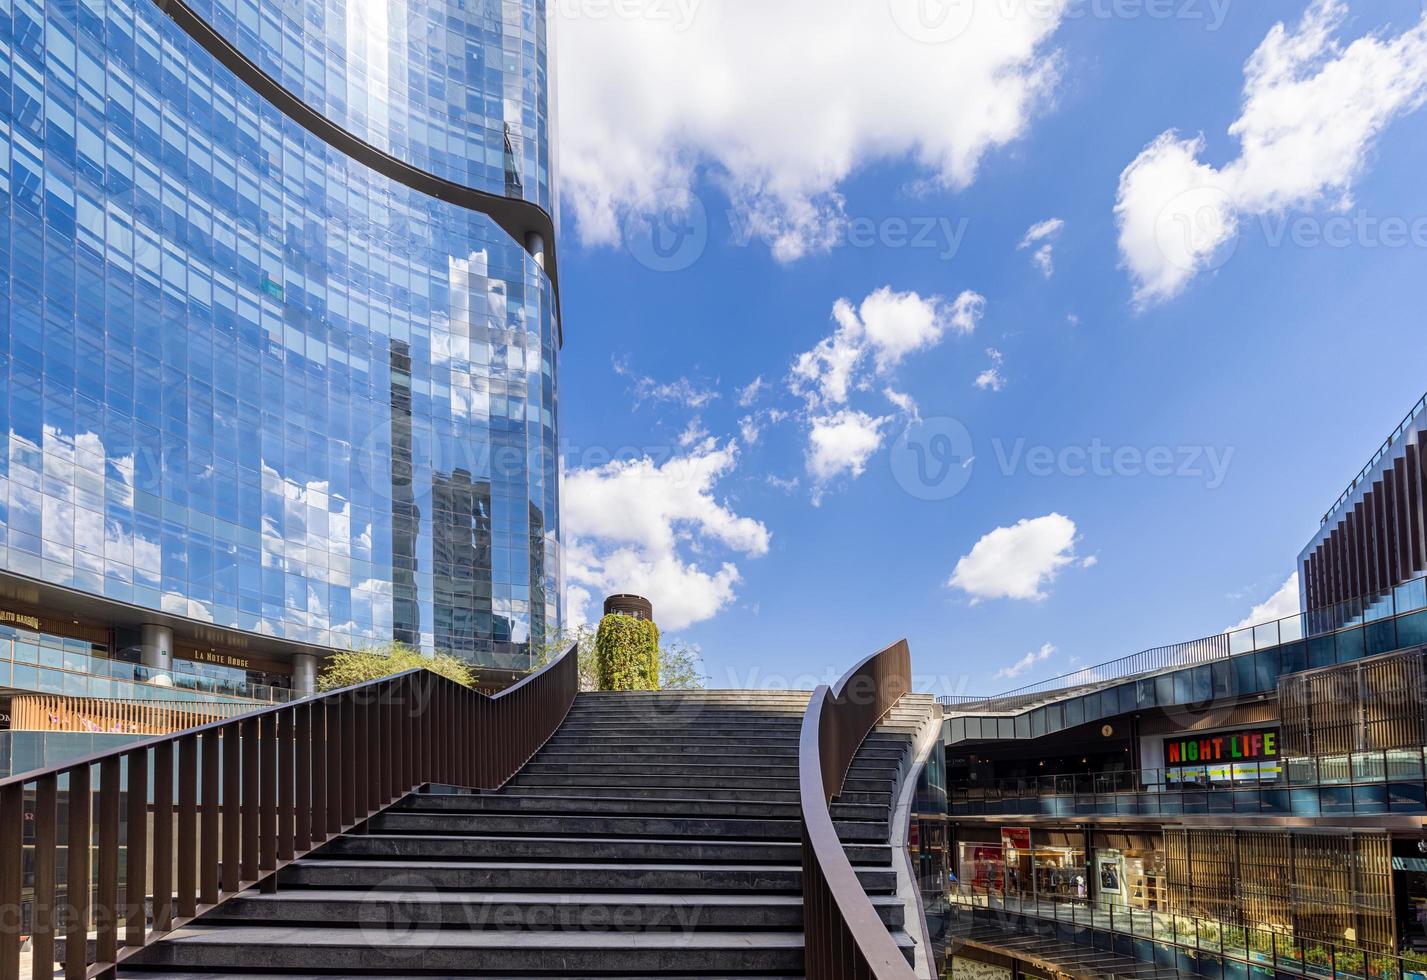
<point x="1249" y="745"/>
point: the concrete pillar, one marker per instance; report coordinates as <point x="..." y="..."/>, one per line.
<point x="535" y="245"/>
<point x="304" y="674"/>
<point x="156" y="653"/>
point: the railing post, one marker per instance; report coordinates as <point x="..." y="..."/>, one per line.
<point x="12" y="840"/>
<point x="136" y="861"/>
<point x="232" y="809"/>
<point x="304" y="783"/>
<point x="249" y="808"/>
<point x="106" y="907"/>
<point x="42" y="939"/>
<point x="76" y="889"/>
<point x="210" y="844"/>
<point x="186" y="881"/>
<point x="267" y="793"/>
<point x="286" y="792"/>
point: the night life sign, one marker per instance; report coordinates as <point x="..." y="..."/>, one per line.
<point x="1250" y="745"/>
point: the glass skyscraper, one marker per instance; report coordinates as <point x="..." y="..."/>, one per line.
<point x="279" y="329"/>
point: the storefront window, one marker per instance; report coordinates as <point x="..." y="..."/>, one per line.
<point x="981" y="867"/>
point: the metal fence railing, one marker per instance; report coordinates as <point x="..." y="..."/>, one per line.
<point x="222" y="807"/>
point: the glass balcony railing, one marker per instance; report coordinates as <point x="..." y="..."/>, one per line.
<point x="1375" y="622"/>
<point x="1391" y="781"/>
<point x="49" y="670"/>
<point x="1195" y="945"/>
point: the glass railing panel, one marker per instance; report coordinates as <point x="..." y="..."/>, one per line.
<point x="1369" y="767"/>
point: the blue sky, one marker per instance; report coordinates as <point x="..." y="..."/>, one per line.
<point x="1252" y="360"/>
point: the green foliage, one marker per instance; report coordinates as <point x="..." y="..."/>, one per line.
<point x="681" y="666"/>
<point x="582" y="637"/>
<point x="627" y="654"/>
<point x="372" y="663"/>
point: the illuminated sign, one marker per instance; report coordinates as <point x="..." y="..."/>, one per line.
<point x="1250" y="745"/>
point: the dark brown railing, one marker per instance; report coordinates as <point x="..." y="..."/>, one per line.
<point x="215" y="810"/>
<point x="844" y="936"/>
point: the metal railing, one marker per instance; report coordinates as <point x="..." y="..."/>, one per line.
<point x="1271" y="949"/>
<point x="1409" y="596"/>
<point x="1372" y="783"/>
<point x="1377" y="457"/>
<point x="223" y="807"/>
<point x="843" y="934"/>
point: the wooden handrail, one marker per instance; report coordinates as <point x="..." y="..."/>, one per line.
<point x="843" y="935"/>
<point x="254" y="794"/>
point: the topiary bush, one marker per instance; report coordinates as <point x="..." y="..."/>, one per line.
<point x="627" y="654"/>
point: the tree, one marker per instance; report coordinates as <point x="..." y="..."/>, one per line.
<point x="373" y="663"/>
<point x="681" y="667"/>
<point x="627" y="654"/>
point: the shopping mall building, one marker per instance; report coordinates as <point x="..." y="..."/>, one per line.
<point x="279" y="332"/>
<point x="1248" y="804"/>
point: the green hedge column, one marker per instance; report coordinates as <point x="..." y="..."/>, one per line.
<point x="627" y="654"/>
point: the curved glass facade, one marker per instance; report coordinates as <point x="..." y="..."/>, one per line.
<point x="247" y="380"/>
<point x="456" y="89"/>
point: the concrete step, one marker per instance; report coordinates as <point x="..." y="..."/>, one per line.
<point x="527" y="825"/>
<point x="720" y="749"/>
<point x="406" y="875"/>
<point x="578" y="782"/>
<point x="683" y="792"/>
<point x="475" y="953"/>
<point x="589" y="849"/>
<point x="562" y="911"/>
<point x="695" y="737"/>
<point x="765" y="728"/>
<point x="541" y="767"/>
<point x="737" y="756"/>
<point x="515" y="802"/>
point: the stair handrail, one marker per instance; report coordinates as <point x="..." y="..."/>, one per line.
<point x="284" y="779"/>
<point x="843" y="935"/>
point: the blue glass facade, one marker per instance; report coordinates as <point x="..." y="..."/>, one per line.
<point x="246" y="380"/>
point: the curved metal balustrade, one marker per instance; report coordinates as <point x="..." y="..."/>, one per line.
<point x="844" y="937"/>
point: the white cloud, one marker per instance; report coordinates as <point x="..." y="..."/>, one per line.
<point x="681" y="391"/>
<point x="693" y="433"/>
<point x="1018" y="668"/>
<point x="1042" y="236"/>
<point x="842" y="443"/>
<point x="750" y="393"/>
<point x="631" y="524"/>
<point x="1313" y="109"/>
<point x="869" y="342"/>
<point x="992" y="379"/>
<point x="1282" y="604"/>
<point x="1017" y="562"/>
<point x="650" y="102"/>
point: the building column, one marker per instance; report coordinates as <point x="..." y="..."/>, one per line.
<point x="304" y="674"/>
<point x="156" y="653"/>
<point x="535" y="245"/>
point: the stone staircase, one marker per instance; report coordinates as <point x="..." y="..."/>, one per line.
<point x="654" y="835"/>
